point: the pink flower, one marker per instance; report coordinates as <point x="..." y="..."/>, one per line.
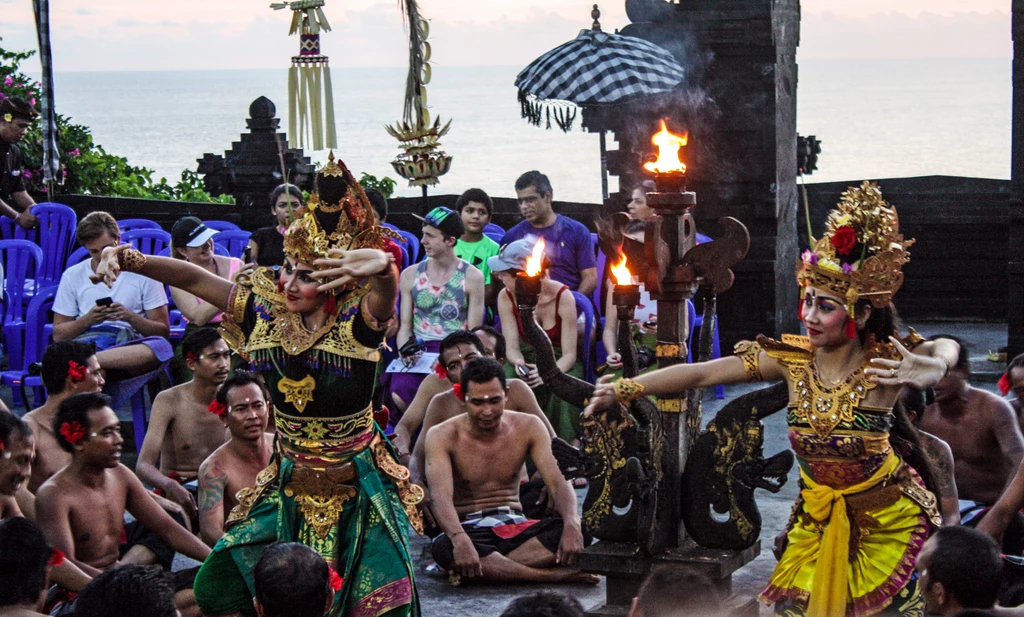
<point x="27" y="174"/>
<point x="8" y="81"/>
<point x="810" y="257"/>
<point x="75" y="152"/>
<point x="32" y="101"/>
<point x="847" y="269"/>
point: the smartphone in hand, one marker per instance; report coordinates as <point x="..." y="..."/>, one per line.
<point x="104" y="301"/>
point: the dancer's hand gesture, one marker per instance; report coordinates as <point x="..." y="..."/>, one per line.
<point x="344" y="267"/>
<point x="911" y="369"/>
<point x="108" y="269"/>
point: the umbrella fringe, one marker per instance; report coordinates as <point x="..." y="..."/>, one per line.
<point x="538" y="113"/>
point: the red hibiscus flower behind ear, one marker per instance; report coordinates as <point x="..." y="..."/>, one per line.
<point x="76" y="372"/>
<point x="440" y="370"/>
<point x="844" y="239"/>
<point x="3" y="450"/>
<point x="192" y="357"/>
<point x="336" y="580"/>
<point x="73" y="432"/>
<point x="1004" y="384"/>
<point x="56" y="558"/>
<point x="457" y="389"/>
<point x="217" y="408"/>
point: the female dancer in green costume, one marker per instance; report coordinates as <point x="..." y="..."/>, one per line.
<point x="334" y="483"/>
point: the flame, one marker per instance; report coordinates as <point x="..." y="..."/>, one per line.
<point x="668" y="152"/>
<point x="621" y="273"/>
<point x="533" y="263"/>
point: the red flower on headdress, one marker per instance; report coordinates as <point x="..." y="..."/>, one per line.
<point x="844" y="239"/>
<point x="56" y="558"/>
<point x="336" y="580"/>
<point x="1004" y="383"/>
<point x="440" y="370"/>
<point x="76" y="372"/>
<point x="73" y="432"/>
<point x="457" y="389"/>
<point x="217" y="408"/>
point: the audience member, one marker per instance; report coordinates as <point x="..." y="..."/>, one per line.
<point x="67" y="368"/>
<point x="982" y="431"/>
<point x="638" y="208"/>
<point x="556" y="315"/>
<point x="959" y="568"/>
<point x="129" y="319"/>
<point x="676" y="591"/>
<point x="25" y="560"/>
<point x="440" y="295"/>
<point x="293" y="580"/>
<point x="128" y="591"/>
<point x="16" y="448"/>
<point x="182" y="433"/>
<point x="476" y="208"/>
<point x="1013" y="381"/>
<point x="16" y="117"/>
<point x="242" y="405"/>
<point x="914" y="402"/>
<point x="266" y="245"/>
<point x="81" y="508"/>
<point x="544" y="604"/>
<point x="567" y="243"/>
<point x="493" y="342"/>
<point x="457" y="350"/>
<point x="474" y="465"/>
<point x="380" y="216"/>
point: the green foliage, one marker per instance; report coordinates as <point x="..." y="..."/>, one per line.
<point x="88" y="169"/>
<point x="385" y="185"/>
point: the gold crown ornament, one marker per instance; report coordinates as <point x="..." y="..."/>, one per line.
<point x="338" y="216"/>
<point x="862" y="252"/>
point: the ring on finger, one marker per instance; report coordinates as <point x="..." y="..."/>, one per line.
<point x="892" y="372"/>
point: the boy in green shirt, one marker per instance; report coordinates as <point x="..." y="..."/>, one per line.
<point x="475" y="208"/>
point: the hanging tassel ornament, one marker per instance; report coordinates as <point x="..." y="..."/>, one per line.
<point x="800" y="304"/>
<point x="331" y="304"/>
<point x="310" y="94"/>
<point x="850" y="329"/>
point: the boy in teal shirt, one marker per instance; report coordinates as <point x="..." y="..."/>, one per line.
<point x="475" y="208"/>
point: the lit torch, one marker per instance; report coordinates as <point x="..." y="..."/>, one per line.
<point x="625" y="295"/>
<point x="669" y="171"/>
<point x="528" y="283"/>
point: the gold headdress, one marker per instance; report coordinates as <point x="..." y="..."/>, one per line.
<point x="339" y="204"/>
<point x="862" y="252"/>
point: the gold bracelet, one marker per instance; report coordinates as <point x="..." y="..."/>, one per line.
<point x="129" y="259"/>
<point x="627" y="390"/>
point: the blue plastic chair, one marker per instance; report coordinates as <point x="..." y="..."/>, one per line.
<point x="696" y="321"/>
<point x="7" y="226"/>
<point x="133" y="224"/>
<point x="412" y="243"/>
<point x="77" y="256"/>
<point x="38" y="332"/>
<point x="222" y="225"/>
<point x="55" y="235"/>
<point x="21" y="260"/>
<point x="494" y="229"/>
<point x="496" y="236"/>
<point x="147" y="241"/>
<point x="584" y="306"/>
<point x="602" y="261"/>
<point x="233" y="240"/>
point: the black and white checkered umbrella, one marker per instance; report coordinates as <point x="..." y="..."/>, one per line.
<point x="594" y="68"/>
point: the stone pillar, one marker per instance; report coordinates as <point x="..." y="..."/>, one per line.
<point x="256" y="164"/>
<point x="1015" y="270"/>
<point x="739" y="105"/>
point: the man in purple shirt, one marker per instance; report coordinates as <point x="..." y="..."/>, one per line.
<point x="567" y="242"/>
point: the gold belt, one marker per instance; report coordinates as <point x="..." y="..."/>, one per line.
<point x="324" y="442"/>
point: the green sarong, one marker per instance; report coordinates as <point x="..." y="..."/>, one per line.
<point x="371" y="536"/>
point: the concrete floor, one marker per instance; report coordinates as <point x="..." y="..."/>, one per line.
<point x="439" y="599"/>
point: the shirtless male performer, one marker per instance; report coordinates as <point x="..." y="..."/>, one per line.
<point x="81" y="508"/>
<point x="182" y="433"/>
<point x="241" y="404"/>
<point x="457" y="350"/>
<point x="68" y="368"/>
<point x="474" y="464"/>
<point x="982" y="431"/>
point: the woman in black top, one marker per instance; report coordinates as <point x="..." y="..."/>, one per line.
<point x="267" y="243"/>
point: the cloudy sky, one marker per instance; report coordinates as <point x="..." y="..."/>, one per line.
<point x="110" y="35"/>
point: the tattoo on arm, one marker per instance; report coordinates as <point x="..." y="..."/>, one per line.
<point x="211" y="495"/>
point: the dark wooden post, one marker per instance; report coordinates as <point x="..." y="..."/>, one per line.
<point x="1015" y="270"/>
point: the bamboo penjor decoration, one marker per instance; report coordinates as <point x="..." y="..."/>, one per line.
<point x="310" y="95"/>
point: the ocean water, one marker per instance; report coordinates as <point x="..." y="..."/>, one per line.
<point x="876" y="119"/>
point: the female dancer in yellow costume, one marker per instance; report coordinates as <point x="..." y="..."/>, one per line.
<point x="862" y="514"/>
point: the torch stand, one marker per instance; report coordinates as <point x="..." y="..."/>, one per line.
<point x="626" y="565"/>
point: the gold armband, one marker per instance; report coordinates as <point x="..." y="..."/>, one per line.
<point x="750" y="353"/>
<point x="129" y="259"/>
<point x="627" y="390"/>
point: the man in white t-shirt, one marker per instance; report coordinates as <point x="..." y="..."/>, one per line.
<point x="135" y="309"/>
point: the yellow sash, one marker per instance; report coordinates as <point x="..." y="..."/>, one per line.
<point x="830" y="586"/>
